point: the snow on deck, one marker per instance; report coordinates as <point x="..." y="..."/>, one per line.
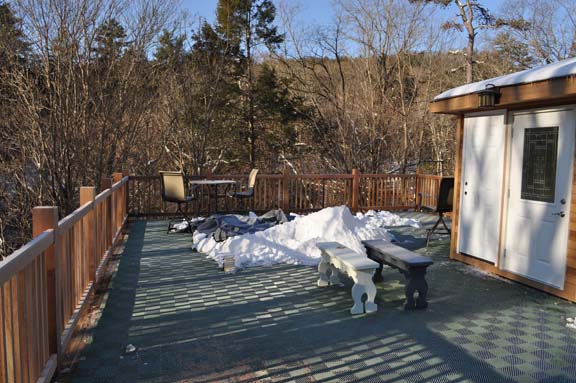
<point x="560" y="69"/>
<point x="295" y="242"/>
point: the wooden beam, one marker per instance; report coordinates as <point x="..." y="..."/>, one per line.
<point x="541" y="93"/>
<point x="457" y="185"/>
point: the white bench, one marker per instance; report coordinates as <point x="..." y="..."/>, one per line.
<point x="339" y="259"/>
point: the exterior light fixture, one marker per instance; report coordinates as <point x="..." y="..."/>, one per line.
<point x="488" y="97"/>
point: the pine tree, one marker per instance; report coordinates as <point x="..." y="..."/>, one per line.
<point x="245" y="26"/>
<point x="110" y="40"/>
<point x="171" y="52"/>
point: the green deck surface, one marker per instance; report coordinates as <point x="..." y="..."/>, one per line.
<point x="191" y="322"/>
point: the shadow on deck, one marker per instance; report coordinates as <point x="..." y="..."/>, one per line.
<point x="191" y="322"/>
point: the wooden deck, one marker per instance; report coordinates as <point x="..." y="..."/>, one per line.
<point x="190" y="322"/>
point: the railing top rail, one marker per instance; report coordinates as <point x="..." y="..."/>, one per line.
<point x="118" y="184"/>
<point x="24" y="255"/>
<point x="386" y="175"/>
<point x="104" y="194"/>
<point x="430" y="176"/>
<point x="261" y="176"/>
<point x="68" y="221"/>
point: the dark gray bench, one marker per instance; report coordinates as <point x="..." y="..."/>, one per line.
<point x="412" y="265"/>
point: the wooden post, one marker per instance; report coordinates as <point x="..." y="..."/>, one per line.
<point x="106" y="183"/>
<point x="457" y="185"/>
<point x="45" y="218"/>
<point x="355" y="189"/>
<point x="106" y="223"/>
<point x="117" y="202"/>
<point x="126" y="173"/>
<point x="286" y="191"/>
<point x="87" y="194"/>
<point x="418" y="197"/>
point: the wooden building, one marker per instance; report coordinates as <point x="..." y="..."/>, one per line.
<point x="515" y="200"/>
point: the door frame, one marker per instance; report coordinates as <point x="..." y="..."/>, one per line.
<point x="510" y="118"/>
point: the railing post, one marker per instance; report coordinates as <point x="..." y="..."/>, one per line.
<point x="126" y="173"/>
<point x="106" y="183"/>
<point x="117" y="201"/>
<point x="286" y="191"/>
<point x="418" y="196"/>
<point x="87" y="194"/>
<point x="355" y="189"/>
<point x="107" y="214"/>
<point x="45" y="218"/>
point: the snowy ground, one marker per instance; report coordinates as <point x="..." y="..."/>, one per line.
<point x="294" y="242"/>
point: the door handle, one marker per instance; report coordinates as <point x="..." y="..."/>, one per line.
<point x="561" y="214"/>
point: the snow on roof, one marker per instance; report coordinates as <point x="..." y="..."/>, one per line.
<point x="562" y="68"/>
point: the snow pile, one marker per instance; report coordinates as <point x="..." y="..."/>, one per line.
<point x="377" y="219"/>
<point x="294" y="242"/>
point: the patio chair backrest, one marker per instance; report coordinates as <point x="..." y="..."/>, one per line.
<point x="252" y="178"/>
<point x="173" y="186"/>
<point x="445" y="195"/>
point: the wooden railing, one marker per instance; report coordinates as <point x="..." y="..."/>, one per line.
<point x="45" y="285"/>
<point x="302" y="193"/>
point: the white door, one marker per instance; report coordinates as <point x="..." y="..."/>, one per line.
<point x="539" y="199"/>
<point x="481" y="187"/>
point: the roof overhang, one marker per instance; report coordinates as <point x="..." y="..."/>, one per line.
<point x="542" y="93"/>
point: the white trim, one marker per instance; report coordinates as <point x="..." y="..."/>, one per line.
<point x="509" y="124"/>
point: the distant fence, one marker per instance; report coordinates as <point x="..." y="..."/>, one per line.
<point x="302" y="193"/>
<point x="45" y="285"/>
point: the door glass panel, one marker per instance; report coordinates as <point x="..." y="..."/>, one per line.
<point x="539" y="164"/>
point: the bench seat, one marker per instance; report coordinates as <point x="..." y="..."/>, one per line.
<point x="411" y="264"/>
<point x="336" y="259"/>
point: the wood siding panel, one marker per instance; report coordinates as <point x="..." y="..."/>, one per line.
<point x="571" y="253"/>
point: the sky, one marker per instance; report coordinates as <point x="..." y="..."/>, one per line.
<point x="321" y="12"/>
<point x="313" y="11"/>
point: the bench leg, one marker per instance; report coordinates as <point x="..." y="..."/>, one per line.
<point x="363" y="285"/>
<point x="378" y="274"/>
<point x="323" y="267"/>
<point x="416" y="281"/>
<point x="334" y="279"/>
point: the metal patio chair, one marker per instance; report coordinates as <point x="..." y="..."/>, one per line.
<point x="444" y="204"/>
<point x="248" y="192"/>
<point x="174" y="191"/>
